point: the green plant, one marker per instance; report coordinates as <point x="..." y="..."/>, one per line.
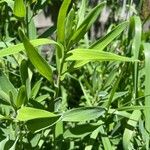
<point x="89" y="92"/>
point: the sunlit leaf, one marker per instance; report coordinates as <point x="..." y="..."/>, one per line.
<point x="83" y="114"/>
<point x="40" y="64"/>
<point x="94" y="55"/>
<point x="19" y="8"/>
<point x="28" y="113"/>
<point x="87" y="23"/>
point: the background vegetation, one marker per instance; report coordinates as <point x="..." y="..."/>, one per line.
<point x="90" y="90"/>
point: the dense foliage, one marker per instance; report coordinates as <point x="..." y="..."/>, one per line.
<point x="86" y="92"/>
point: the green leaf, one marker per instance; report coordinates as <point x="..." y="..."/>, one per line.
<point x="36" y="125"/>
<point x="6" y="86"/>
<point x="105" y="139"/>
<point x="104" y="41"/>
<point x="28" y="113"/>
<point x="79" y="131"/>
<point x="87" y="23"/>
<point x="22" y="96"/>
<point x="108" y="38"/>
<point x="19" y="47"/>
<point x="69" y="25"/>
<point x="24" y="71"/>
<point x="147" y="85"/>
<point x="42" y="98"/>
<point x="61" y="20"/>
<point x="26" y="76"/>
<point x="93" y="55"/>
<point x="36" y="89"/>
<point x="83" y="114"/>
<point x="136" y="28"/>
<point x="130" y="129"/>
<point x="32" y="31"/>
<point x="19" y="8"/>
<point x="39" y="63"/>
<point x="82" y="11"/>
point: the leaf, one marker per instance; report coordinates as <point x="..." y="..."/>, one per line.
<point x="4" y="97"/>
<point x="24" y="71"/>
<point x="136" y="28"/>
<point x="104" y="41"/>
<point x="93" y="55"/>
<point x="36" y="125"/>
<point x="108" y="38"/>
<point x="32" y="31"/>
<point x="147" y="85"/>
<point x="83" y="114"/>
<point x="82" y="11"/>
<point x="130" y="129"/>
<point x="92" y="139"/>
<point x="22" y="96"/>
<point x="7" y="87"/>
<point x="19" y="8"/>
<point x="26" y="76"/>
<point x="61" y="20"/>
<point x="87" y="23"/>
<point x="36" y="89"/>
<point x="79" y="131"/>
<point x="42" y="98"/>
<point x="39" y="63"/>
<point x="69" y="25"/>
<point x="29" y="113"/>
<point x="48" y="32"/>
<point x="105" y="139"/>
<point x="19" y="47"/>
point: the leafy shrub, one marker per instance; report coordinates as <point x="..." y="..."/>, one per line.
<point x="91" y="95"/>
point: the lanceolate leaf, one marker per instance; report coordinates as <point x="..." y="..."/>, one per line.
<point x="87" y="23"/>
<point x="94" y="55"/>
<point x="79" y="131"/>
<point x="19" y="47"/>
<point x="40" y="64"/>
<point x="83" y="114"/>
<point x="108" y="38"/>
<point x="28" y="113"/>
<point x="130" y="129"/>
<point x="19" y="8"/>
<point x="22" y="96"/>
<point x="6" y="86"/>
<point x="61" y="20"/>
<point x="147" y="85"/>
<point x="104" y="41"/>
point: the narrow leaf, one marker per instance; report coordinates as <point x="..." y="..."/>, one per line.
<point x="87" y="23"/>
<point x="22" y="97"/>
<point x="104" y="41"/>
<point x="83" y="114"/>
<point x="35" y="89"/>
<point x="93" y="55"/>
<point x="19" y="47"/>
<point x="61" y="20"/>
<point x="147" y="85"/>
<point x="130" y="129"/>
<point x="108" y="38"/>
<point x="39" y="63"/>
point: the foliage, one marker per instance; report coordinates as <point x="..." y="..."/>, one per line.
<point x="91" y="95"/>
